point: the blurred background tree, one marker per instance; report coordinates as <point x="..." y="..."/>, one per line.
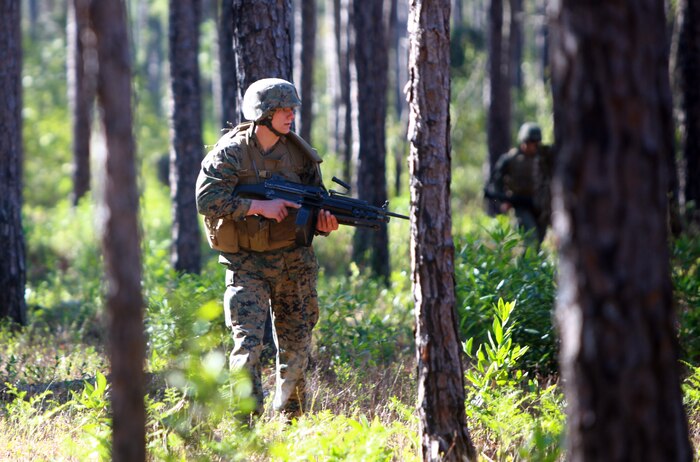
<point x="13" y="271"/>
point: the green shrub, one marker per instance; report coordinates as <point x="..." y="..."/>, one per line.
<point x="492" y="263"/>
<point x="179" y="311"/>
<point x="495" y="361"/>
<point x="362" y="322"/>
<point x="685" y="272"/>
<point x="510" y="413"/>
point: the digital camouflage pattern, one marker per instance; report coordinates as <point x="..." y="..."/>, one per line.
<point x="264" y="96"/>
<point x="285" y="281"/>
<point x="281" y="280"/>
<point x="229" y="163"/>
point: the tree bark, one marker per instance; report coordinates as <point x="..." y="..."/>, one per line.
<point x="13" y="272"/>
<point x="33" y="13"/>
<point x="331" y="53"/>
<point x="227" y="66"/>
<point x="689" y="75"/>
<point x="371" y="247"/>
<point x="498" y="119"/>
<point x="615" y="310"/>
<point x="346" y="59"/>
<point x="399" y="49"/>
<point x="186" y="145"/>
<point x="80" y="98"/>
<point x="542" y="41"/>
<point x="262" y="38"/>
<point x="444" y="433"/>
<point x="155" y="58"/>
<point x="339" y="59"/>
<point x="457" y="13"/>
<point x="515" y="37"/>
<point x="120" y="232"/>
<point x="308" y="53"/>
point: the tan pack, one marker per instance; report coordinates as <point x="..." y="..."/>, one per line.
<point x="222" y="235"/>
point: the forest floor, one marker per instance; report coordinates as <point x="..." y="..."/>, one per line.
<point x="383" y="392"/>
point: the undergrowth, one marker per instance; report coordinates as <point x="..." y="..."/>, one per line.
<point x="362" y="376"/>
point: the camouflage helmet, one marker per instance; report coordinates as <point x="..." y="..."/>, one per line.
<point x="529" y="132"/>
<point x="264" y="96"/>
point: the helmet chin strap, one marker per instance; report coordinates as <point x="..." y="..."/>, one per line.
<point x="267" y="122"/>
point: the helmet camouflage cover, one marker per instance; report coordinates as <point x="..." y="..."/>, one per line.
<point x="264" y="96"/>
<point x="529" y="132"/>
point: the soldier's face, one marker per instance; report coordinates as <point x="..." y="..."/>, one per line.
<point x="530" y="147"/>
<point x="282" y="120"/>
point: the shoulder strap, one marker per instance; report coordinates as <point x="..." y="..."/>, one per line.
<point x="243" y="126"/>
<point x="304" y="146"/>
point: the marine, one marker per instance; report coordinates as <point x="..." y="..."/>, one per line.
<point x="521" y="180"/>
<point x="266" y="271"/>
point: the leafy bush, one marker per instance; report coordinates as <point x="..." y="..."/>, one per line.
<point x="363" y="323"/>
<point x="686" y="283"/>
<point x="492" y="263"/>
<point x="511" y="413"/>
<point x="496" y="359"/>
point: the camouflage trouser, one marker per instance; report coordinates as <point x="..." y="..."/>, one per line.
<point x="528" y="221"/>
<point x="284" y="281"/>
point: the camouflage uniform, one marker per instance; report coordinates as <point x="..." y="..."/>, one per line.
<point x="527" y="178"/>
<point x="280" y="277"/>
<point x="286" y="281"/>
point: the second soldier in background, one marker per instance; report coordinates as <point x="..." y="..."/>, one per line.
<point x="521" y="180"/>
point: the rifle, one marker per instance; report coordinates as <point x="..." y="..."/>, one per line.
<point x="515" y="200"/>
<point x="348" y="211"/>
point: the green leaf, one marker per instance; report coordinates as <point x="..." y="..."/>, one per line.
<point x="100" y="384"/>
<point x="497" y="330"/>
<point x="468" y="346"/>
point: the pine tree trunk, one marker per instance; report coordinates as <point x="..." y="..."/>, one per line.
<point x="227" y="66"/>
<point x="689" y="73"/>
<point x="516" y="44"/>
<point x="399" y="48"/>
<point x="308" y="52"/>
<point x="187" y="147"/>
<point x="120" y="233"/>
<point x="155" y="63"/>
<point x="12" y="253"/>
<point x="262" y="38"/>
<point x="615" y="310"/>
<point x="80" y="98"/>
<point x="33" y="13"/>
<point x="341" y="123"/>
<point x="457" y="13"/>
<point x="443" y="430"/>
<point x="498" y="122"/>
<point x="542" y="41"/>
<point x="371" y="247"/>
<point x="332" y="62"/>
